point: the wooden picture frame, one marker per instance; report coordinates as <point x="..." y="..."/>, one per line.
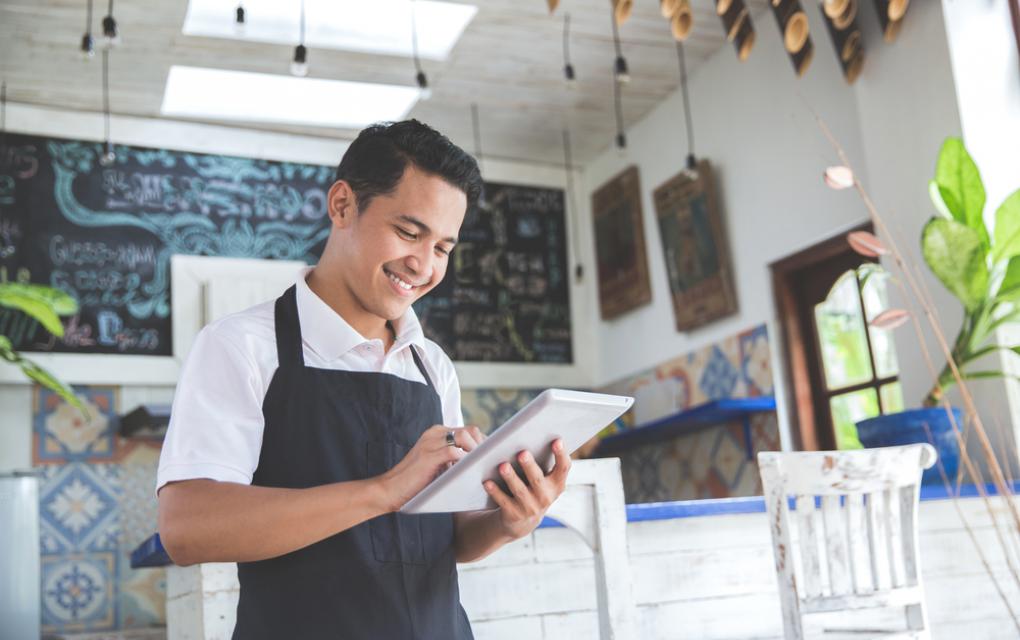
<point x="624" y="283"/>
<point x="694" y="246"/>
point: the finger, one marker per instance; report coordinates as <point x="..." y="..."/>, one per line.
<point x="559" y="472"/>
<point x="518" y="488"/>
<point x="467" y="439"/>
<point x="476" y="433"/>
<point x="502" y="500"/>
<point x="536" y="477"/>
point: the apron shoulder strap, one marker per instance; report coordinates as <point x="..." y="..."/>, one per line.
<point x="421" y="366"/>
<point x="288" y="330"/>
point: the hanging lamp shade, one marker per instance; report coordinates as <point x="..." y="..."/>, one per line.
<point x="622" y="10"/>
<point x="682" y="20"/>
<point x="668" y="7"/>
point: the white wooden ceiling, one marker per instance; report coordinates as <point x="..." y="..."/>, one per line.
<point x="509" y="61"/>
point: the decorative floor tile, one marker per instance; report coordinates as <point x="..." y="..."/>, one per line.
<point x="61" y="434"/>
<point x="78" y="592"/>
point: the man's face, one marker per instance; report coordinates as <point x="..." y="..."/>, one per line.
<point x="398" y="248"/>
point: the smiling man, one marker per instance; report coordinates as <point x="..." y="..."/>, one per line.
<point x="301" y="426"/>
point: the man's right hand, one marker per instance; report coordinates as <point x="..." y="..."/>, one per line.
<point x="429" y="457"/>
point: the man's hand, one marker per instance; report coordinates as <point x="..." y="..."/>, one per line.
<point x="429" y="457"/>
<point x="521" y="510"/>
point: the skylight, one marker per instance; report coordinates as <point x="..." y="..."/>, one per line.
<point x="217" y="94"/>
<point x="373" y="26"/>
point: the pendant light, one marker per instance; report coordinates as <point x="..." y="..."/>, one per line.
<point x="621" y="137"/>
<point x="620" y="70"/>
<point x="108" y="156"/>
<point x="111" y="36"/>
<point x="483" y="202"/>
<point x="568" y="167"/>
<point x="87" y="47"/>
<point x="568" y="68"/>
<point x="419" y="77"/>
<point x="692" y="162"/>
<point x="299" y="66"/>
<point x="240" y="20"/>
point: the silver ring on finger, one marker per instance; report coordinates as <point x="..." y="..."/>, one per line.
<point x="451" y="440"/>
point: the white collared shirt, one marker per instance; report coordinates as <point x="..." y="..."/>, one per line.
<point x="216" y="422"/>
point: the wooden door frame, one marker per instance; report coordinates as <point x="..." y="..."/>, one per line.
<point x="800" y="355"/>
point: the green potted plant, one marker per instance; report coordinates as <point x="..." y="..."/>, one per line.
<point x="45" y="305"/>
<point x="981" y="268"/>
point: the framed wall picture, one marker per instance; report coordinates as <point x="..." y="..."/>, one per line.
<point x="695" y="248"/>
<point x="620" y="245"/>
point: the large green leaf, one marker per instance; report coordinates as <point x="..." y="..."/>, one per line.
<point x="1009" y="289"/>
<point x="959" y="184"/>
<point x="1007" y="228"/>
<point x="45" y="304"/>
<point x="955" y="255"/>
<point x="48" y="380"/>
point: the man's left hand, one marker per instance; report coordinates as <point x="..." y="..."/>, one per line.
<point x="521" y="510"/>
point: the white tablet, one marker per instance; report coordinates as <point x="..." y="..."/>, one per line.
<point x="574" y="416"/>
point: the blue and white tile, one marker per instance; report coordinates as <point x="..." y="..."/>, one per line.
<point x="78" y="508"/>
<point x="719" y="377"/>
<point x="78" y="592"/>
<point x="755" y="361"/>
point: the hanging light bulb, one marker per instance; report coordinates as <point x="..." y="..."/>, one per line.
<point x="621" y="71"/>
<point x="621" y="140"/>
<point x="568" y="68"/>
<point x="299" y="66"/>
<point x="420" y="78"/>
<point x="423" y="84"/>
<point x="110" y="34"/>
<point x="108" y="156"/>
<point x="239" y="19"/>
<point x="88" y="46"/>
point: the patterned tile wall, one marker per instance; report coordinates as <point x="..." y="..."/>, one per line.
<point x="714" y="462"/>
<point x="95" y="506"/>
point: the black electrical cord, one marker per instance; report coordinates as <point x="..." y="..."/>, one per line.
<point x="692" y="162"/>
<point x="107" y="156"/>
<point x="568" y="68"/>
<point x="3" y="123"/>
<point x="476" y="128"/>
<point x="620" y="71"/>
<point x="568" y="166"/>
<point x="621" y="137"/>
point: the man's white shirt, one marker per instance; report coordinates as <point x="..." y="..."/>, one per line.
<point x="216" y="422"/>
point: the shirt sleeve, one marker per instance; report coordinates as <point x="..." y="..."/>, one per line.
<point x="216" y="421"/>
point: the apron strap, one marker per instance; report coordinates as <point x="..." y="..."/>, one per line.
<point x="288" y="330"/>
<point x="421" y="366"/>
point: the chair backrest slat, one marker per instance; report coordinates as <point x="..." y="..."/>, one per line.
<point x="836" y="557"/>
<point x="857" y="534"/>
<point x="810" y="559"/>
<point x="878" y="539"/>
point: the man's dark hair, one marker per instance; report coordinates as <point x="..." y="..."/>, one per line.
<point x="377" y="158"/>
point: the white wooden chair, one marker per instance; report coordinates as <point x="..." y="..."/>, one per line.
<point x="860" y="549"/>
<point x="593" y="507"/>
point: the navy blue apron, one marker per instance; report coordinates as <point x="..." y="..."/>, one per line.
<point x="390" y="578"/>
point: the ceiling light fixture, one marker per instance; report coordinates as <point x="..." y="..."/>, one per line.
<point x="568" y="168"/>
<point x="299" y="66"/>
<point x="88" y="48"/>
<point x="239" y="19"/>
<point x="621" y="137"/>
<point x="241" y="96"/>
<point x="568" y="68"/>
<point x="420" y="78"/>
<point x="483" y="202"/>
<point x="692" y="162"/>
<point x="110" y="34"/>
<point x="108" y="157"/>
<point x="620" y="70"/>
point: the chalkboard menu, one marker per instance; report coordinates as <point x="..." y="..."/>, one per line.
<point x="105" y="234"/>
